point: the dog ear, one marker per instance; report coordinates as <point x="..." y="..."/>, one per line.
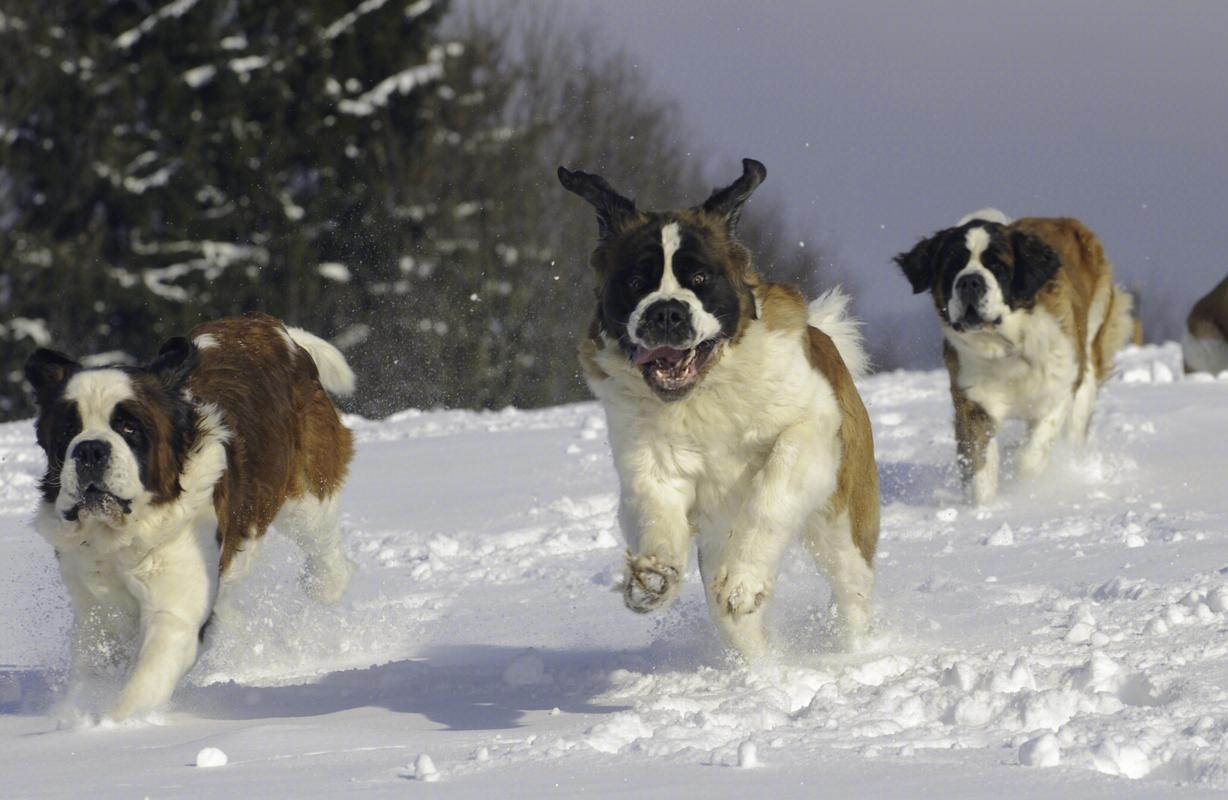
<point x="175" y="360"/>
<point x="727" y="203"/>
<point x="612" y="208"/>
<point x="1035" y="264"/>
<point x="48" y="371"/>
<point x="918" y="263"/>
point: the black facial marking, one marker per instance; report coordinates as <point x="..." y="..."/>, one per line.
<point x="128" y="420"/>
<point x="57" y="425"/>
<point x="1035" y="265"/>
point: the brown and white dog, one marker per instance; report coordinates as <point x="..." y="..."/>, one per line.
<point x="1032" y="321"/>
<point x="733" y="416"/>
<point x="158" y="476"/>
<point x="1205" y="344"/>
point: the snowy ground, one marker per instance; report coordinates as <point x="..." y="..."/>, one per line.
<point x="1072" y="638"/>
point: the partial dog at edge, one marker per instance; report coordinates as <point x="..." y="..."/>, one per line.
<point x="732" y="413"/>
<point x="1204" y="345"/>
<point x="1031" y="321"/>
<point x="159" y="477"/>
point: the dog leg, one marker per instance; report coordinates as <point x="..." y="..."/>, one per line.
<point x="830" y="541"/>
<point x="976" y="449"/>
<point x="799" y="473"/>
<point x="653" y="515"/>
<point x="1034" y="455"/>
<point x="105" y="617"/>
<point x="175" y="586"/>
<point x="311" y="522"/>
<point x="1081" y="411"/>
<point x="745" y="633"/>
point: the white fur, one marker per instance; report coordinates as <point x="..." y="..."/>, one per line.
<point x="311" y="522"/>
<point x="703" y="322"/>
<point x="335" y="374"/>
<point x="205" y="341"/>
<point x="1204" y="354"/>
<point x="829" y="312"/>
<point x="745" y="464"/>
<point x="991" y="306"/>
<point x="984" y="215"/>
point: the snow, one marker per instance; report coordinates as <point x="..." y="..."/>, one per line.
<point x="402" y="82"/>
<point x="483" y="643"/>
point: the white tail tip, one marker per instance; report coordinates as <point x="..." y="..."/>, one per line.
<point x="985" y="215"/>
<point x="829" y="313"/>
<point x="335" y="374"/>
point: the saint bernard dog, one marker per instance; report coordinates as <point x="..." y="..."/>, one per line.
<point x="1205" y="344"/>
<point x="1031" y="321"/>
<point x="159" y="476"/>
<point x="732" y="413"/>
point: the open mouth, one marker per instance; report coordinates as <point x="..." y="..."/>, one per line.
<point x="97" y="500"/>
<point x="973" y="321"/>
<point x="672" y="372"/>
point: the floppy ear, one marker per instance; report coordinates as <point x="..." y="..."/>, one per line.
<point x="612" y="208"/>
<point x="175" y="360"/>
<point x="1035" y="264"/>
<point x="727" y="203"/>
<point x="48" y="371"/>
<point x="918" y="263"/>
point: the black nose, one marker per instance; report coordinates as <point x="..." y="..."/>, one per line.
<point x="970" y="288"/>
<point x="91" y="455"/>
<point x="666" y="322"/>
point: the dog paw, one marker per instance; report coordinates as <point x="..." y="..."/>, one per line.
<point x="739" y="592"/>
<point x="650" y="583"/>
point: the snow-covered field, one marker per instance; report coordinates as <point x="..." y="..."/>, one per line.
<point x="1071" y="639"/>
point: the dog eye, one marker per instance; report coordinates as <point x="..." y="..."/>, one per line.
<point x="635" y="283"/>
<point x="128" y="430"/>
<point x="699" y="279"/>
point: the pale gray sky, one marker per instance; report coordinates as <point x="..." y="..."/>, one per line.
<point x="882" y="121"/>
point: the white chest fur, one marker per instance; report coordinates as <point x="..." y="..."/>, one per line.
<point x="713" y="443"/>
<point x="1022" y="369"/>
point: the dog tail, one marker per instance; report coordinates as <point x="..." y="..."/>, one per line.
<point x="985" y="215"/>
<point x="829" y="312"/>
<point x="1115" y="331"/>
<point x="335" y="375"/>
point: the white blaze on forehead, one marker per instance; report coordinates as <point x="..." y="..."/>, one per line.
<point x="671" y="240"/>
<point x="977" y="242"/>
<point x="704" y="324"/>
<point x="991" y="305"/>
<point x="96" y="393"/>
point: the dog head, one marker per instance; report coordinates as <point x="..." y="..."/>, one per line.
<point x="115" y="437"/>
<point x="672" y="287"/>
<point x="979" y="272"/>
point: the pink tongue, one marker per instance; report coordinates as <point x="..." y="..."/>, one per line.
<point x="644" y="356"/>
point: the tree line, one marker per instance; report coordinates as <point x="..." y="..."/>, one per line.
<point x="381" y="173"/>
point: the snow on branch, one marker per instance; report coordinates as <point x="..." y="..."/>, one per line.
<point x="177" y="8"/>
<point x="213" y="259"/>
<point x="402" y="82"/>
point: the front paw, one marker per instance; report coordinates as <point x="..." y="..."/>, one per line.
<point x="650" y="584"/>
<point x="739" y="591"/>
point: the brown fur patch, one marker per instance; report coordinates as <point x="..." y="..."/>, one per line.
<point x="287" y="439"/>
<point x="1085" y="274"/>
<point x="784" y="307"/>
<point x="857" y="481"/>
